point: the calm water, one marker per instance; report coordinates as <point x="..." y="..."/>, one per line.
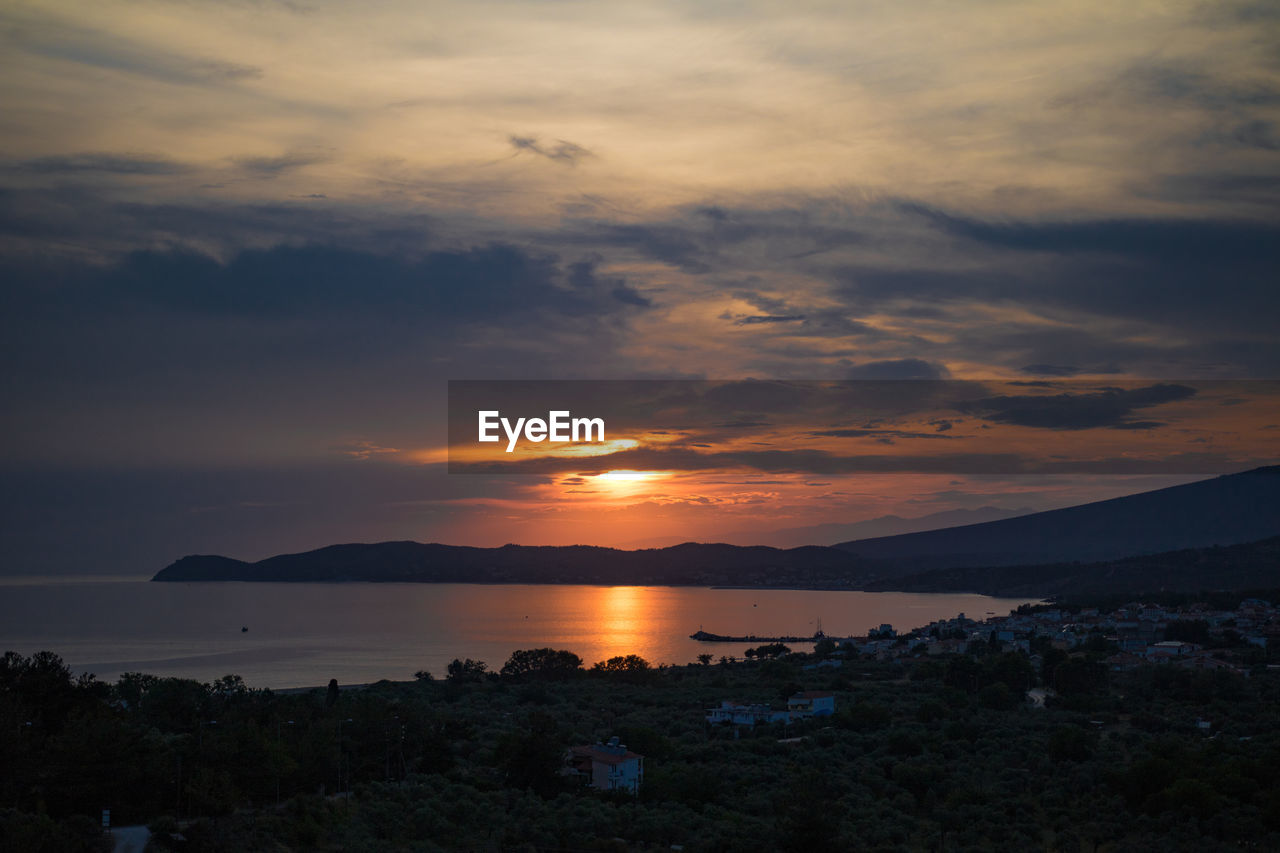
<point x="305" y="634"/>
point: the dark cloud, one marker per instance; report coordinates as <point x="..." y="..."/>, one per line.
<point x="874" y="433"/>
<point x="562" y="151"/>
<point x="1050" y="369"/>
<point x="1255" y="134"/>
<point x="628" y="296"/>
<point x="783" y="318"/>
<point x="756" y="319"/>
<point x="85" y="217"/>
<point x="1181" y="81"/>
<point x="287" y="305"/>
<point x="235" y="355"/>
<point x="91" y="162"/>
<point x="700" y="240"/>
<point x="272" y="166"/>
<point x="1110" y="407"/>
<point x="1172" y="81"/>
<point x="100" y="49"/>
<point x="901" y="368"/>
<point x="1211" y="281"/>
<point x="1240" y="187"/>
<point x="483" y="282"/>
<point x="1199" y="241"/>
<point x="582" y="276"/>
<point x="670" y="245"/>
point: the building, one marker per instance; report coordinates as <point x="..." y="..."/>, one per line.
<point x="744" y="714"/>
<point x="608" y="766"/>
<point x="812" y="703"/>
<point x="1169" y="649"/>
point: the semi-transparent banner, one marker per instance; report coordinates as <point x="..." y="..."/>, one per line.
<point x="864" y="426"/>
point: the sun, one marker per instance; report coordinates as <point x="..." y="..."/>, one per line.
<point x="624" y="482"/>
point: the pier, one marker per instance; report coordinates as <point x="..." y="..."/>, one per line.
<point x="706" y="637"/>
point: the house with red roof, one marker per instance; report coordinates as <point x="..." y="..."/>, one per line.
<point x="608" y="766"/>
<point x="812" y="703"/>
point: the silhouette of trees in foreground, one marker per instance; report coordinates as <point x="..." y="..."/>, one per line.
<point x="924" y="753"/>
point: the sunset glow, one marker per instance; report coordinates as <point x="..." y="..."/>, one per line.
<point x="249" y="248"/>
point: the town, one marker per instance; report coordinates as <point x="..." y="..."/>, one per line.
<point x="1194" y="636"/>
<point x="1141" y="725"/>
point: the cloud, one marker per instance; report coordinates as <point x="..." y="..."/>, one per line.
<point x="62" y="40"/>
<point x="783" y="319"/>
<point x="1110" y="408"/>
<point x="564" y="151"/>
<point x="874" y="433"/>
<point x="90" y="162"/>
<point x="363" y="449"/>
<point x="900" y="368"/>
<point x="1050" y="369"/>
<point x="756" y="319"/>
<point x="821" y="462"/>
<point x="582" y="276"/>
<point x="1202" y="241"/>
<point x="475" y="284"/>
<point x="269" y="167"/>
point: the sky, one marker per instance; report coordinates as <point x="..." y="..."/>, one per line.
<point x="244" y="246"/>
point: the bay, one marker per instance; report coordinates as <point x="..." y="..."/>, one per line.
<point x="302" y="634"/>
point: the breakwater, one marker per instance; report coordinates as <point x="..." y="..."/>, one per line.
<point x="707" y="637"/>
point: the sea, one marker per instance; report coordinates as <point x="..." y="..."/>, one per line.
<point x="290" y="635"/>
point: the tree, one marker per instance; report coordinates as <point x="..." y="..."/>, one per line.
<point x="770" y="650"/>
<point x="622" y="663"/>
<point x="465" y="671"/>
<point x="423" y="675"/>
<point x="705" y="659"/>
<point x="1070" y="743"/>
<point x="997" y="696"/>
<point x="232" y="686"/>
<point x="331" y="695"/>
<point x="532" y="757"/>
<point x="541" y="663"/>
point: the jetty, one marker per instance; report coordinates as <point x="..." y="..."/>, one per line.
<point x="707" y="637"/>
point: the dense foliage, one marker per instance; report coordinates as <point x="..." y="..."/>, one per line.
<point x="924" y="753"/>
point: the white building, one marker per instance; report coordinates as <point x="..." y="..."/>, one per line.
<point x="608" y="766"/>
<point x="1169" y="649"/>
<point x="743" y="714"/>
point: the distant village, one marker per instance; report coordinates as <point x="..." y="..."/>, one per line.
<point x="1195" y="636"/>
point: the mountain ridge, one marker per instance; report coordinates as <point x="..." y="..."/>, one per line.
<point x="1224" y="511"/>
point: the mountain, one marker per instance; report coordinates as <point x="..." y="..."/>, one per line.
<point x="1254" y="565"/>
<point x="885" y="525"/>
<point x="687" y="564"/>
<point x="1093" y="546"/>
<point x="1225" y="510"/>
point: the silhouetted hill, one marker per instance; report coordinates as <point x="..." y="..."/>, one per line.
<point x="1039" y="554"/>
<point x="885" y="525"/>
<point x="687" y="564"/>
<point x="1223" y="511"/>
<point x="1254" y="565"/>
